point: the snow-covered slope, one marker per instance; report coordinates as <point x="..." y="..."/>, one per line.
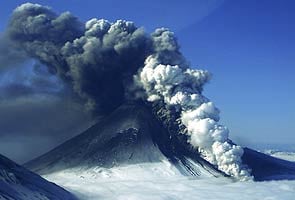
<point x="129" y="135"/>
<point x="18" y="183"/>
<point x="133" y="135"/>
<point x="130" y="155"/>
<point x="162" y="181"/>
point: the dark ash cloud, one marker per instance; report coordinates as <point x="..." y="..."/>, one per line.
<point x="97" y="59"/>
<point x="10" y="56"/>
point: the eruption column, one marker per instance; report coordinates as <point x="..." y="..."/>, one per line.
<point x="181" y="87"/>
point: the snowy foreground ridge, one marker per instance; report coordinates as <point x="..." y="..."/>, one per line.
<point x="18" y="183"/>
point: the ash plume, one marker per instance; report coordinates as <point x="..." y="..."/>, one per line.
<point x="107" y="63"/>
<point x="97" y="59"/>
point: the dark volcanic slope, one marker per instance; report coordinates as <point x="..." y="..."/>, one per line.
<point x="120" y="138"/>
<point x="18" y="183"/>
<point x="265" y="167"/>
<point x="132" y="134"/>
<point x="129" y="135"/>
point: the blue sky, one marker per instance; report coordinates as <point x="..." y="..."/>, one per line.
<point x="249" y="46"/>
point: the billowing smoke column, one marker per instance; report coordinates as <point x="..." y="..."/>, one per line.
<point x="171" y="81"/>
<point x="106" y="63"/>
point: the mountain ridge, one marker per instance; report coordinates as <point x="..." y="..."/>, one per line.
<point x="18" y="183"/>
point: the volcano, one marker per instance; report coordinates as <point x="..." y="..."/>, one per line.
<point x="129" y="135"/>
<point x="158" y="131"/>
<point x="133" y="135"/>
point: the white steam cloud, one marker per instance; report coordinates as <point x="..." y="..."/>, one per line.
<point x="180" y="87"/>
